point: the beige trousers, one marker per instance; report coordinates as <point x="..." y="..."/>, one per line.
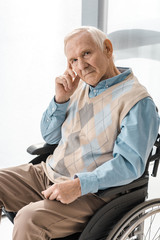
<point x="39" y="218"/>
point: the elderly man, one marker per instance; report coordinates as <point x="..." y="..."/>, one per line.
<point x="105" y="124"/>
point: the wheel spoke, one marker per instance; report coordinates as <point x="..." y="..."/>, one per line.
<point x="156" y="234"/>
<point x="149" y="229"/>
<point x="141" y="223"/>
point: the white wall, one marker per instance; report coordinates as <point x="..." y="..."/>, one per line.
<point x="31" y="55"/>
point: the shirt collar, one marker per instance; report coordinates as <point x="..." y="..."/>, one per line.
<point x="114" y="80"/>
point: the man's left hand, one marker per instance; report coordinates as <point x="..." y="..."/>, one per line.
<point x="65" y="192"/>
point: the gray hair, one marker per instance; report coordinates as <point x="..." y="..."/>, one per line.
<point x="97" y="35"/>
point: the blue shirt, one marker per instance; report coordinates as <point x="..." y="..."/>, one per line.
<point x="139" y="130"/>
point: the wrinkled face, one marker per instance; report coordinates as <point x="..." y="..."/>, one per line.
<point x="87" y="59"/>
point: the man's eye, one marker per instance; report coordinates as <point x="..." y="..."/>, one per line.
<point x="74" y="60"/>
<point x="86" y="53"/>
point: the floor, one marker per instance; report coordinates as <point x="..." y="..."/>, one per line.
<point x="6" y="229"/>
<point x="6" y="226"/>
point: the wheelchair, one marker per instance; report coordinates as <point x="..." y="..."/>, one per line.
<point x="128" y="215"/>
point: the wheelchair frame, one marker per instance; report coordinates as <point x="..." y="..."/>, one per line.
<point x="123" y="217"/>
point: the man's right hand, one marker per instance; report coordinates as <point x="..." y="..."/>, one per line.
<point x="65" y="85"/>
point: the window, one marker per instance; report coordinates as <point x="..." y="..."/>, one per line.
<point x="134" y="29"/>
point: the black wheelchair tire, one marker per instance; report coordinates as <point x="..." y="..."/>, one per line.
<point x="133" y="226"/>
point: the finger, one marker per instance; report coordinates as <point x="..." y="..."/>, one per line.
<point x="53" y="196"/>
<point x="71" y="73"/>
<point x="47" y="193"/>
<point x="44" y="194"/>
<point x="65" y="84"/>
<point x="69" y="65"/>
<point x="58" y="198"/>
<point x="63" y="81"/>
<point x="76" y="81"/>
<point x="69" y="82"/>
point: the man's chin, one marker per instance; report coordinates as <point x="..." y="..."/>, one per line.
<point x="91" y="81"/>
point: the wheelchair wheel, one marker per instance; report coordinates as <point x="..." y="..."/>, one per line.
<point x="141" y="223"/>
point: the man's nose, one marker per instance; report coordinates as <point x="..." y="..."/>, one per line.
<point x="82" y="64"/>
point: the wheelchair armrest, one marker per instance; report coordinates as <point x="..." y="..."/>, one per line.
<point x="41" y="149"/>
<point x="141" y="182"/>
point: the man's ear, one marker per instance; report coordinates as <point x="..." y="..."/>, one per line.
<point x="108" y="48"/>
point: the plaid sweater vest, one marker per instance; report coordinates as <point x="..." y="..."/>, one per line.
<point x="91" y="128"/>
